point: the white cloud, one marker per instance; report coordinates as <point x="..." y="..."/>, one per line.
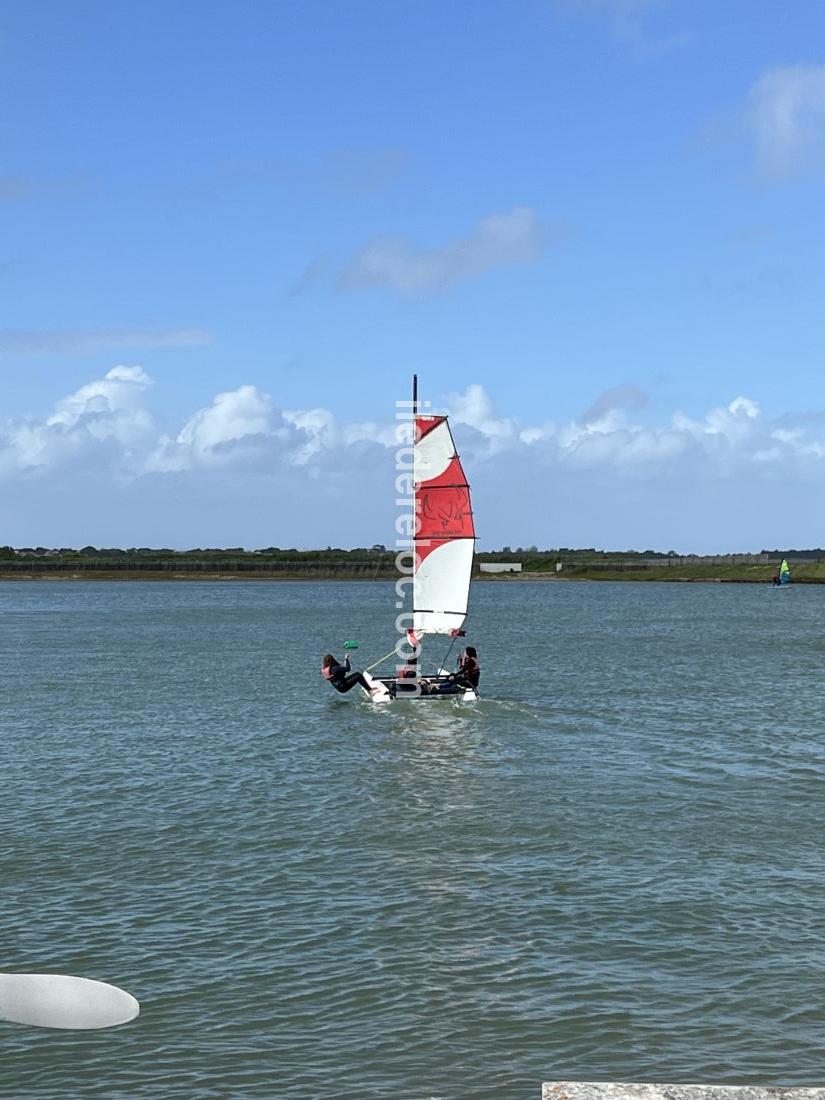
<point x="475" y="409"/>
<point x="786" y="117"/>
<point x="311" y="477"/>
<point x="733" y="431"/>
<point x="233" y="417"/>
<point x="245" y="428"/>
<point x="499" y="240"/>
<point x="105" y="417"/>
<point x="231" y="430"/>
<point x="320" y="430"/>
<point x="111" y="405"/>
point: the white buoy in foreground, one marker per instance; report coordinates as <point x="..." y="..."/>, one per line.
<point x="60" y="1000"/>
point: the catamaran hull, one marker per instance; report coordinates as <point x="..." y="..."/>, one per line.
<point x="384" y="691"/>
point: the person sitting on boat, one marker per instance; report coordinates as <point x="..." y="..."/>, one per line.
<point x="469" y="670"/>
<point x="467" y="676"/>
<point x="340" y="677"/>
<point x="408" y="682"/>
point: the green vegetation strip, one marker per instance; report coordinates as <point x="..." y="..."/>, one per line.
<point x="378" y="563"/>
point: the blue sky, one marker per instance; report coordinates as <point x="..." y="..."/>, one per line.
<point x="594" y="228"/>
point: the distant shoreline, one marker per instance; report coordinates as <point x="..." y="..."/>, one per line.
<point x="488" y="578"/>
<point x="378" y="564"/>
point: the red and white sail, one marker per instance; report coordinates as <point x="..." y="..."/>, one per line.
<point x="445" y="532"/>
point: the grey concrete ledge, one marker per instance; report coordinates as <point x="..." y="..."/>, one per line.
<point x="604" y="1090"/>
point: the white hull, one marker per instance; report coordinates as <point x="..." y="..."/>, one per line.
<point x="63" y="1001"/>
<point x="383" y="691"/>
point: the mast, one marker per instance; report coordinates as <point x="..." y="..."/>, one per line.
<point x="414" y="526"/>
<point x="414" y="510"/>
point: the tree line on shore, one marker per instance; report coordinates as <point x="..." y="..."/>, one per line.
<point x="530" y="557"/>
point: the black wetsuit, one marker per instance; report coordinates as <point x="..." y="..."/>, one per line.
<point x="343" y="680"/>
<point x="467" y="676"/>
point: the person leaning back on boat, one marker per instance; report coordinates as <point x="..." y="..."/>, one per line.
<point x="339" y="675"/>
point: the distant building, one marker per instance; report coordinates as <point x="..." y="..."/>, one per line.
<point x="499" y="567"/>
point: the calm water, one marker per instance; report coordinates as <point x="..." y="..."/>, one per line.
<point x="613" y="866"/>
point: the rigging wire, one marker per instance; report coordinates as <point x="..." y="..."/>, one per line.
<point x="449" y="651"/>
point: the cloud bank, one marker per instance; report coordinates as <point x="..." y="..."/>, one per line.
<point x="248" y="471"/>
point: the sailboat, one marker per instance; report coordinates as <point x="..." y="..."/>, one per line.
<point x="443" y="545"/>
<point x="784" y="574"/>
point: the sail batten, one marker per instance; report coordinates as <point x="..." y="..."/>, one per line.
<point x="445" y="530"/>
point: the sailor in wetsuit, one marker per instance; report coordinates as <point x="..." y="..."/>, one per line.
<point x="469" y="670"/>
<point x="467" y="676"/>
<point x="339" y="675"/>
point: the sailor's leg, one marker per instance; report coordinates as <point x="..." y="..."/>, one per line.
<point x="350" y="681"/>
<point x="451" y="687"/>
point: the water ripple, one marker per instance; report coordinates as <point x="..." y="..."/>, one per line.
<point x="611" y="867"/>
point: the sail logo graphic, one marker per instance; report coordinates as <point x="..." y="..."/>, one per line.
<point x="449" y="515"/>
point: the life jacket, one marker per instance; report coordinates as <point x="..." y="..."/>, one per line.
<point x="334" y="672"/>
<point x="471" y="670"/>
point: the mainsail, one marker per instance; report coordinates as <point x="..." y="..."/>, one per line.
<point x="445" y="532"/>
<point x="784" y="573"/>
